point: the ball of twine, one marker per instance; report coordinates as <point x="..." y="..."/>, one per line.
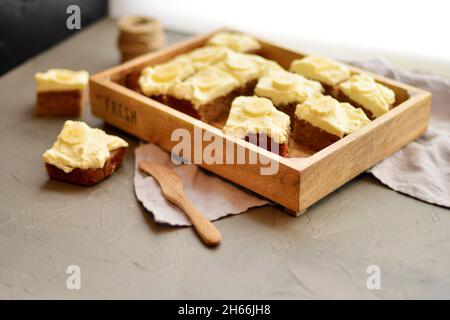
<point x="139" y="35"/>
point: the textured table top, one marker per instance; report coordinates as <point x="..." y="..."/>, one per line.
<point x="46" y="226"/>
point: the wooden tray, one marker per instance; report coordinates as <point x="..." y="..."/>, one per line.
<point x="299" y="182"/>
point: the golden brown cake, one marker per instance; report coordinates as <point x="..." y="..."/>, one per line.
<point x="83" y="155"/>
<point x="206" y="95"/>
<point x="235" y="41"/>
<point x="327" y="71"/>
<point x="286" y="90"/>
<point x="364" y="92"/>
<point x="322" y="120"/>
<point x="256" y="120"/>
<point x="59" y="92"/>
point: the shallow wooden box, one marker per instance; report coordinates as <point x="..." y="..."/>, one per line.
<point x="298" y="182"/>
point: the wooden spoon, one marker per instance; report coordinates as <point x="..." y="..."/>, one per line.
<point x="172" y="189"/>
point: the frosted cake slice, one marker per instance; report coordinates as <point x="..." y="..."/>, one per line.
<point x="286" y="90"/>
<point x="327" y="71"/>
<point x="206" y="95"/>
<point x="59" y="92"/>
<point x="364" y="92"/>
<point x="256" y="120"/>
<point x="322" y="120"/>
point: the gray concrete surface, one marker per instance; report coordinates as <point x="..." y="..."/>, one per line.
<point x="45" y="225"/>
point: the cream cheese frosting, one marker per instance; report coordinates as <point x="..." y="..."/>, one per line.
<point x="284" y="87"/>
<point x="244" y="67"/>
<point x="206" y="56"/>
<point x="61" y="80"/>
<point x="257" y="115"/>
<point x="204" y="86"/>
<point x="156" y="80"/>
<point x="80" y="146"/>
<point x="235" y="41"/>
<point x="267" y="66"/>
<point x="321" y="69"/>
<point x="332" y="116"/>
<point x="371" y="95"/>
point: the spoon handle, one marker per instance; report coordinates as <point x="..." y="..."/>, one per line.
<point x="206" y="230"/>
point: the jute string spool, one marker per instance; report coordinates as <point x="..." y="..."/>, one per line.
<point x="139" y="35"/>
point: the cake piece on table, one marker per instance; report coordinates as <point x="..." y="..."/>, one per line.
<point x="235" y="41"/>
<point x="364" y="92"/>
<point x="328" y="72"/>
<point x="59" y="92"/>
<point x="256" y="120"/>
<point x="322" y="120"/>
<point x="155" y="81"/>
<point x="83" y="155"/>
<point x="206" y="95"/>
<point x="286" y="90"/>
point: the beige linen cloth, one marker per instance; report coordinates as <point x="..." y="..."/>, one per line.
<point x="421" y="169"/>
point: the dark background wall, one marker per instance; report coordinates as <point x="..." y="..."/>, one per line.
<point x="28" y="27"/>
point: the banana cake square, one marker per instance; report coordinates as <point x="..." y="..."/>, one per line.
<point x="59" y="92"/>
<point x="286" y="90"/>
<point x="206" y="95"/>
<point x="83" y="155"/>
<point x="322" y="120"/>
<point x="256" y="120"/>
<point x="325" y="70"/>
<point x="364" y="92"/>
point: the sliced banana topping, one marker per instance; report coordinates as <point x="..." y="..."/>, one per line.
<point x="166" y="72"/>
<point x="364" y="84"/>
<point x="324" y="105"/>
<point x="239" y="62"/>
<point x="207" y="80"/>
<point x="282" y="81"/>
<point x="320" y="63"/>
<point x="75" y="133"/>
<point x="207" y="54"/>
<point x="284" y="87"/>
<point x="235" y="41"/>
<point x="258" y="107"/>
